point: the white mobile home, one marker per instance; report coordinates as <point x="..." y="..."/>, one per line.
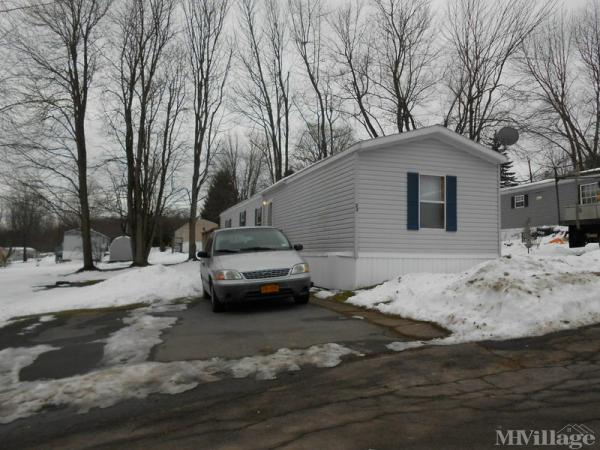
<point x="421" y="201"/>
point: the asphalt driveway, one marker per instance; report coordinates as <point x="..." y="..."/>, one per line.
<point x="429" y="397"/>
<point x="262" y="328"/>
<point x="198" y="334"/>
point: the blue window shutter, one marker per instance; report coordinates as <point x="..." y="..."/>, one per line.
<point x="412" y="201"/>
<point x="451" y="222"/>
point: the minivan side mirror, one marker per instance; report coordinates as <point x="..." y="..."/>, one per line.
<point x="201" y="255"/>
<point x="298" y="247"/>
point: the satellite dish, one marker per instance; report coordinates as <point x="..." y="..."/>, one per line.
<point x="507" y="136"/>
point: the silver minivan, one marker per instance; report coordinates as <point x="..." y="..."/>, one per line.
<point x="252" y="263"/>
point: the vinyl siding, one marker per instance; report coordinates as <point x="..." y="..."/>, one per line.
<point x="233" y="213"/>
<point x="540" y="212"/>
<point x="317" y="209"/>
<point x="382" y="213"/>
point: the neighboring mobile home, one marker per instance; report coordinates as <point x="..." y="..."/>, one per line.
<point x="547" y="203"/>
<point x="420" y="201"/>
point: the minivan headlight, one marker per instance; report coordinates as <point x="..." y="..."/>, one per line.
<point x="299" y="268"/>
<point x="228" y="274"/>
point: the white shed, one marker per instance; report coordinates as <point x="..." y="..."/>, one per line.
<point x="420" y="201"/>
<point x="73" y="247"/>
<point x="120" y="249"/>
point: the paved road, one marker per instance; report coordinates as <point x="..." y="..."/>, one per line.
<point x="428" y="397"/>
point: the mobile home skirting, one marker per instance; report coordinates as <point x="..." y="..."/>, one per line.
<point x="344" y="271"/>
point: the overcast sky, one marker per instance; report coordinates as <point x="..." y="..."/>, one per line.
<point x="96" y="128"/>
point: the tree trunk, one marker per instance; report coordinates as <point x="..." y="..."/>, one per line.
<point x="192" y="225"/>
<point x="139" y="259"/>
<point x="161" y="243"/>
<point x="86" y="239"/>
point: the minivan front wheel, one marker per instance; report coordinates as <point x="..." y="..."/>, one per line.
<point x="217" y="305"/>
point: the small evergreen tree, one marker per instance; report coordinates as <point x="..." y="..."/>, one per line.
<point x="220" y="196"/>
<point x="508" y="177"/>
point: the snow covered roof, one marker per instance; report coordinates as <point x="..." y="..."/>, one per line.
<point x="535" y="184"/>
<point x="592" y="174"/>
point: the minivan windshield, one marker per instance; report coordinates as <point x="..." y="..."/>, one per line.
<point x="250" y="240"/>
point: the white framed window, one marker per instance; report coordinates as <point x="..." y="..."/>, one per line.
<point x="227" y="223"/>
<point x="519" y="201"/>
<point x="589" y="193"/>
<point x="242" y="218"/>
<point x="432" y="201"/>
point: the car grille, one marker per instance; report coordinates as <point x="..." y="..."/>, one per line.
<point x="272" y="273"/>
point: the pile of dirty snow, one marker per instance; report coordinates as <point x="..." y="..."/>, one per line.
<point x="517" y="295"/>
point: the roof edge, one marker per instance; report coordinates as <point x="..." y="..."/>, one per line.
<point x="474" y="148"/>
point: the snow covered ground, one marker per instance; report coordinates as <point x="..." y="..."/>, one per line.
<point x="552" y="288"/>
<point x="23" y="290"/>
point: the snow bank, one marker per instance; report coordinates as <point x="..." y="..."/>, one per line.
<point x="166" y="257"/>
<point x="140" y="285"/>
<point x="108" y="386"/>
<point x="516" y="295"/>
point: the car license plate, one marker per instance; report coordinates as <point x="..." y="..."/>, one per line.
<point x="269" y="289"/>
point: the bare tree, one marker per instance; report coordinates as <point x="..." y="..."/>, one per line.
<point x="26" y="215"/>
<point x="405" y="56"/>
<point x="56" y="46"/>
<point x="482" y="37"/>
<point x="5" y="102"/>
<point x="263" y="95"/>
<point x="587" y="38"/>
<point x="307" y="149"/>
<point x="244" y="167"/>
<point x="563" y="61"/>
<point x="307" y="18"/>
<point x="113" y="192"/>
<point x="149" y="88"/>
<point x="209" y="57"/>
<point x="353" y="49"/>
<point x="547" y="59"/>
